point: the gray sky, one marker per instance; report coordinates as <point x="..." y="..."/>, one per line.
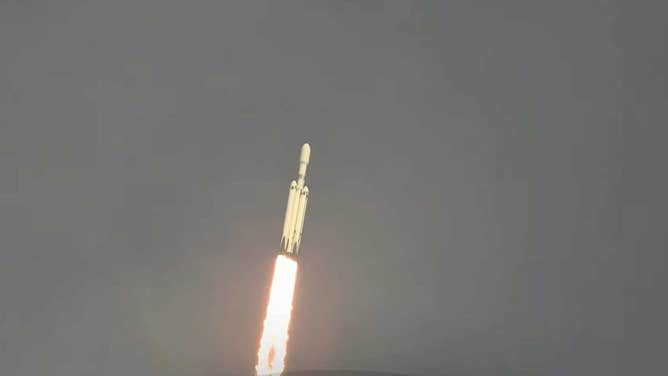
<point x="487" y="185"/>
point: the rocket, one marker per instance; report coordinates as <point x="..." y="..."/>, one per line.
<point x="296" y="208"/>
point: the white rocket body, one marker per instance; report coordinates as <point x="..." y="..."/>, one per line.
<point x="296" y="208"/>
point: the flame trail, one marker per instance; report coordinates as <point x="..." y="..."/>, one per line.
<point x="274" y="341"/>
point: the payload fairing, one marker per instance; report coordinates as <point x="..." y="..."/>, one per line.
<point x="296" y="208"/>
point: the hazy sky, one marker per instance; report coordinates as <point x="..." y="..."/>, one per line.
<point x="487" y="180"/>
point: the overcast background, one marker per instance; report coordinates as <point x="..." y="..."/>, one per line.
<point x="487" y="181"/>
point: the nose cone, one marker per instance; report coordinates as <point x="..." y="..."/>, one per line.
<point x="305" y="154"/>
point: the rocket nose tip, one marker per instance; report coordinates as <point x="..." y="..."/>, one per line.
<point x="306" y="153"/>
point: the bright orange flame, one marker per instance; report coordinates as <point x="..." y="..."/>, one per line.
<point x="274" y="341"/>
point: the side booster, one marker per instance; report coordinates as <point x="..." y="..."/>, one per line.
<point x="296" y="208"/>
